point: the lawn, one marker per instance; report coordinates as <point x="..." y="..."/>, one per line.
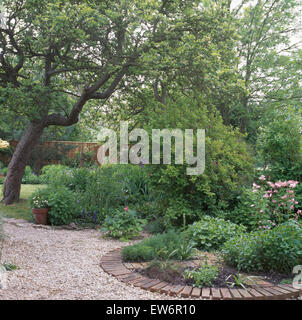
<point x="20" y="210"/>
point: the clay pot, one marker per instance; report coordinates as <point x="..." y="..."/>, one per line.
<point x="41" y="215"/>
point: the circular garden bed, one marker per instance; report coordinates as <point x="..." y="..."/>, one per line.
<point x="153" y="278"/>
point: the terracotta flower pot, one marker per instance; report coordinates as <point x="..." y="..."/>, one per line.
<point x="41" y="215"/>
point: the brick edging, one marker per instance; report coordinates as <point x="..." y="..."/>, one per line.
<point x="112" y="264"/>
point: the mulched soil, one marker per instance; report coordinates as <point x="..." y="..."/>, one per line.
<point x="175" y="275"/>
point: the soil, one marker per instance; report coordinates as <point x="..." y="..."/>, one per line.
<point x="174" y="275"/>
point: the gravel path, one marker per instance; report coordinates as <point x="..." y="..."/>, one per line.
<point x="61" y="264"/>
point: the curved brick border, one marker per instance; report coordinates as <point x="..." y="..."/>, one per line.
<point x="112" y="264"/>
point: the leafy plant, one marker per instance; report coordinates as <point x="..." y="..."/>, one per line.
<point x="279" y="249"/>
<point x="211" y="233"/>
<point x="9" y="266"/>
<point x="63" y="205"/>
<point x="158" y="247"/>
<point x="123" y="224"/>
<point x="39" y="199"/>
<point x="237" y="280"/>
<point x="203" y="276"/>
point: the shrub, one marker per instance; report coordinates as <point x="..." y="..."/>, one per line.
<point x="123" y="224"/>
<point x="102" y="193"/>
<point x="211" y="233"/>
<point x="158" y="247"/>
<point x="279" y="249"/>
<point x="280" y="149"/>
<point x="63" y="205"/>
<point x="29" y="177"/>
<point x="203" y="276"/>
<point x="52" y="174"/>
<point x="229" y="164"/>
<point x="268" y="204"/>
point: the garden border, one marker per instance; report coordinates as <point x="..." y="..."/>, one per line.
<point x="112" y="264"/>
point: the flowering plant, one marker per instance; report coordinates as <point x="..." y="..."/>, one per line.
<point x="274" y="202"/>
<point x="38" y="202"/>
<point x="3" y="144"/>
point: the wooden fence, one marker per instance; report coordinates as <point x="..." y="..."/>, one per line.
<point x="73" y="148"/>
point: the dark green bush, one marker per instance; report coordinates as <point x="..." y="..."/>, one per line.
<point x="279" y="249"/>
<point x="158" y="247"/>
<point x="63" y="205"/>
<point x="211" y="233"/>
<point x="56" y="174"/>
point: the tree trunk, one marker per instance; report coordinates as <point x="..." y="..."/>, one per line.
<point x="16" y="168"/>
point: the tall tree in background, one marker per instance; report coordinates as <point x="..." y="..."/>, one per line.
<point x="270" y="60"/>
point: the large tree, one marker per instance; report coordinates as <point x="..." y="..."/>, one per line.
<point x="269" y="60"/>
<point x="58" y="57"/>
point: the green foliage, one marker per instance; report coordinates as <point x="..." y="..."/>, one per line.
<point x="157" y="247"/>
<point x="29" y="177"/>
<point x="228" y="163"/>
<point x="266" y="205"/>
<point x="123" y="224"/>
<point x="102" y="193"/>
<point x="237" y="280"/>
<point x="211" y="233"/>
<point x="270" y="63"/>
<point x="56" y="175"/>
<point x="279" y="249"/>
<point x="203" y="276"/>
<point x="10" y="266"/>
<point x="62" y="203"/>
<point x="39" y="199"/>
<point x="4" y="171"/>
<point x="280" y="149"/>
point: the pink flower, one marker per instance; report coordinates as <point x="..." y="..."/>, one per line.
<point x="262" y="178"/>
<point x="267" y="196"/>
<point x="284" y="197"/>
<point x="126" y="209"/>
<point x="292" y="183"/>
<point x="271" y="184"/>
<point x="299" y="211"/>
<point x="274" y="201"/>
<point x="292" y="207"/>
<point x="278" y="184"/>
<point x="255" y="186"/>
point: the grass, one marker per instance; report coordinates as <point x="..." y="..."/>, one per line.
<point x="20" y="210"/>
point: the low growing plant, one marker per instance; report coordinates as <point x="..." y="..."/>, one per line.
<point x="157" y="247"/>
<point x="211" y="233"/>
<point x="123" y="224"/>
<point x="203" y="276"/>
